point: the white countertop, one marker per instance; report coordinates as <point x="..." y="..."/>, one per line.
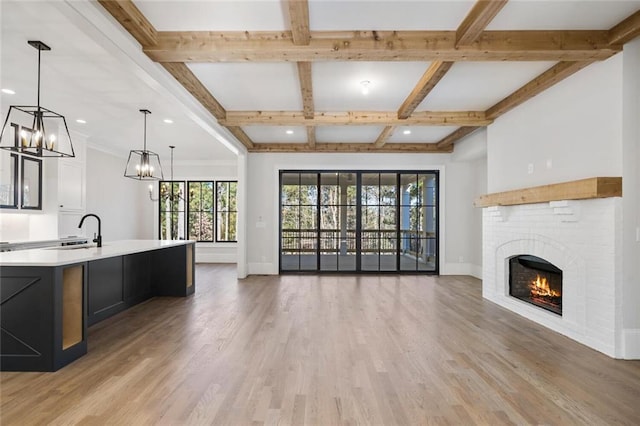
<point x="56" y="256"/>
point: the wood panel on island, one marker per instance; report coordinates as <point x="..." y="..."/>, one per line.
<point x="48" y="299"/>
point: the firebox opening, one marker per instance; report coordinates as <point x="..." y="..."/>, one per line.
<point x="536" y="281"/>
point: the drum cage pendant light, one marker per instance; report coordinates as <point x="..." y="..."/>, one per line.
<point x="144" y="164"/>
<point x="35" y="130"/>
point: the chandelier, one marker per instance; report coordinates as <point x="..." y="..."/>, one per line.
<point x="36" y="130"/>
<point x="145" y="164"/>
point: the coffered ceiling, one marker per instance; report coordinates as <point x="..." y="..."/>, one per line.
<point x="290" y="75"/>
<point x="286" y="75"/>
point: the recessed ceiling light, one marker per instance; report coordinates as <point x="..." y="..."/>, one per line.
<point x="8" y="91"/>
<point x="289" y="132"/>
<point x="365" y="86"/>
<point x="406" y="132"/>
<point x="168" y="120"/>
<point x="81" y="121"/>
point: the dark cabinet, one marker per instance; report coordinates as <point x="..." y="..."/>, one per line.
<point x="43" y="321"/>
<point x="137" y="278"/>
<point x="106" y="289"/>
<point x="45" y="311"/>
<point x="173" y="270"/>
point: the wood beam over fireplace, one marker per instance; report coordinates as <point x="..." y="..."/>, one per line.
<point x="584" y="189"/>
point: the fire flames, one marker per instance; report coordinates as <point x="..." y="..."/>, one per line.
<point x="540" y="288"/>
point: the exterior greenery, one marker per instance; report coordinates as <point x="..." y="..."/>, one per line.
<point x="226" y="211"/>
<point x="358" y="221"/>
<point x="192" y="213"/>
<point x="201" y="205"/>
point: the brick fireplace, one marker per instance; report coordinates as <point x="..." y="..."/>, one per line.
<point x="579" y="239"/>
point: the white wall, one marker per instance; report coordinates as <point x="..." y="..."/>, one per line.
<point x="576" y="124"/>
<point x="457" y="181"/>
<point x="588" y="126"/>
<point x="205" y="252"/>
<point x="123" y="204"/>
<point x="631" y="199"/>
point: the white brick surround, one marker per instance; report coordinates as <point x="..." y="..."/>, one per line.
<point x="580" y="237"/>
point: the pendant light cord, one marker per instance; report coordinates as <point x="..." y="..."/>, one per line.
<point x="145" y="132"/>
<point x="39" y="54"/>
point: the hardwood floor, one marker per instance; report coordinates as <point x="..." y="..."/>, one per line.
<point x="324" y="350"/>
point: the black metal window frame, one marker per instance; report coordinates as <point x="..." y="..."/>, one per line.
<point x="398" y="206"/>
<point x="23" y="160"/>
<point x="17" y="179"/>
<point x="160" y="211"/>
<point x="187" y="210"/>
<point x="228" y="210"/>
<point x="201" y="211"/>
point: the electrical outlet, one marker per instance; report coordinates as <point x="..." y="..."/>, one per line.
<point x="549" y="163"/>
<point x="530" y="168"/>
<point x="461" y="259"/>
<point x="638" y="235"/>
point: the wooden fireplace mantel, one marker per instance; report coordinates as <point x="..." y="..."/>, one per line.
<point x="583" y="189"/>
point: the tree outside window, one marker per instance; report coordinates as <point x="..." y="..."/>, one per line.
<point x="226" y="211"/>
<point x="200" y="218"/>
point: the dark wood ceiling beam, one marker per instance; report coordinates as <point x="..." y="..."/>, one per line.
<point x="351" y="147"/>
<point x="477" y="20"/>
<point x="207" y="46"/>
<point x="626" y="30"/>
<point x="130" y="17"/>
<point x="427" y="82"/>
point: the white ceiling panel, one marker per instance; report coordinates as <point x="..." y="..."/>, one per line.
<point x="348" y="134"/>
<point x="476" y="86"/>
<point x="429" y="134"/>
<point x="337" y="85"/>
<point x="251" y="86"/>
<point x="81" y="80"/>
<point x="276" y="134"/>
<point x="333" y="15"/>
<point x="563" y="14"/>
<point x="218" y="15"/>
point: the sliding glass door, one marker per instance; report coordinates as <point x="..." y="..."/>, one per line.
<point x="358" y="221"/>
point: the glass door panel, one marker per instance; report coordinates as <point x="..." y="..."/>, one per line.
<point x="359" y="221"/>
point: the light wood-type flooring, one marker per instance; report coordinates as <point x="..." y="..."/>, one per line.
<point x="326" y="350"/>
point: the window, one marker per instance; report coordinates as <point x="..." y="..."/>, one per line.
<point x="226" y="211"/>
<point x="192" y="210"/>
<point x="172" y="210"/>
<point x="200" y="216"/>
<point x="20" y="176"/>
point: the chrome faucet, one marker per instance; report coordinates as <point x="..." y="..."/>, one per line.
<point x="97" y="239"/>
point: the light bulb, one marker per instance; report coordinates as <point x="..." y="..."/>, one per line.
<point x="23" y="138"/>
<point x="150" y="189"/>
<point x="365" y="86"/>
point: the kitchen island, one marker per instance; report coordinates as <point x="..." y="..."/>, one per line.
<point x="50" y="296"/>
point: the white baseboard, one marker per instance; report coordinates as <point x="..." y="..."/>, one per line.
<point x="262" y="269"/>
<point x="215" y="257"/>
<point x="631" y="343"/>
<point x="462" y="269"/>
